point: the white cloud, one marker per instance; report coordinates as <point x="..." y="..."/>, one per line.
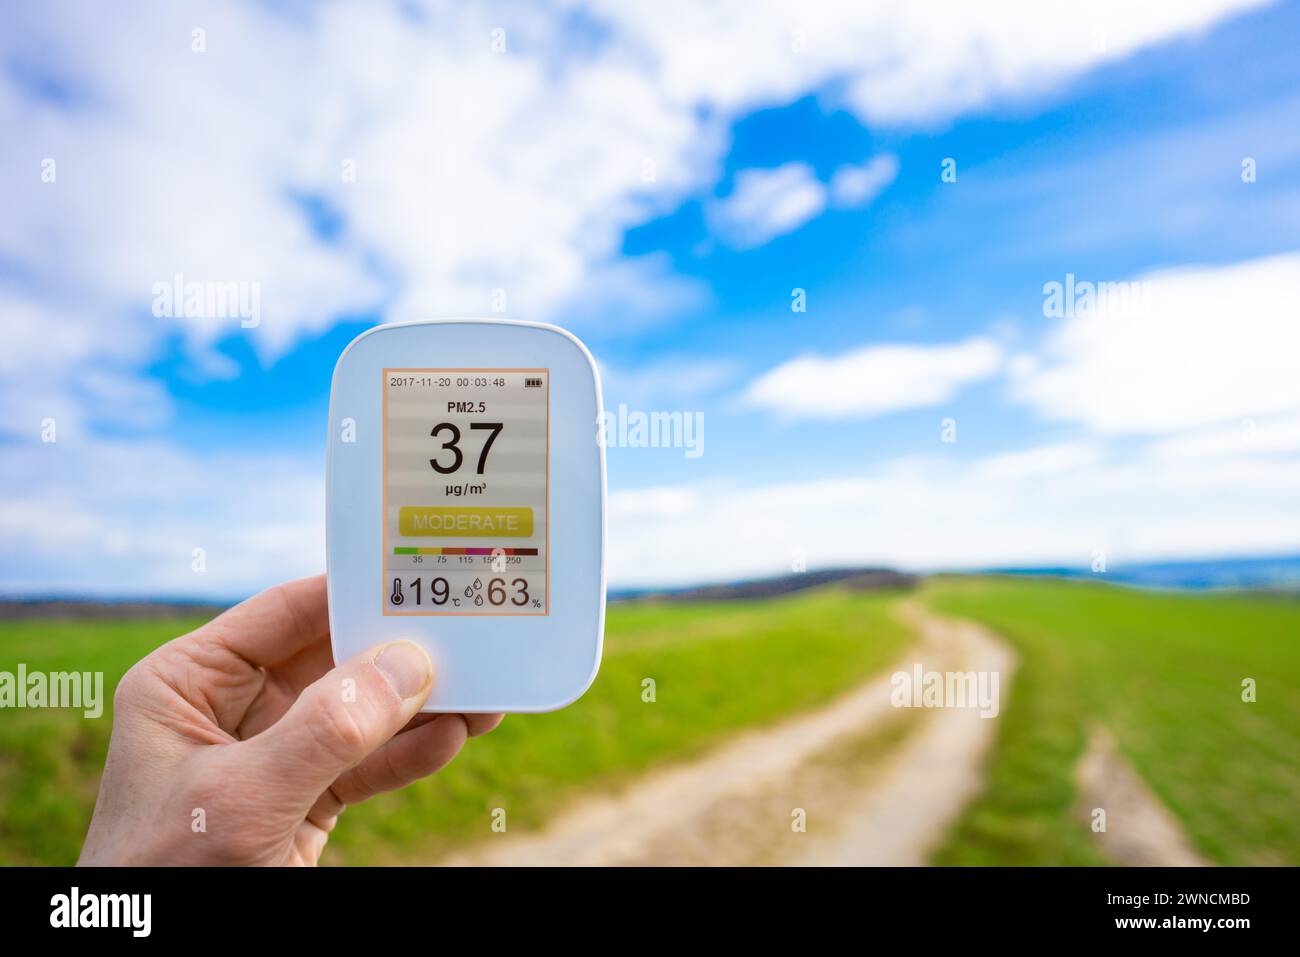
<point x="1043" y="460"/>
<point x="1263" y="436"/>
<point x="767" y="203"/>
<point x="666" y="382"/>
<point x="1209" y="345"/>
<point x="661" y="502"/>
<point x="474" y="170"/>
<point x="123" y="517"/>
<point x="853" y="186"/>
<point x="904" y="62"/>
<point x="73" y="367"/>
<point x="873" y="380"/>
<point x="633" y="292"/>
<point x="935" y="513"/>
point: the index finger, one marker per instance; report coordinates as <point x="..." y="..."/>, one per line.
<point x="273" y="625"/>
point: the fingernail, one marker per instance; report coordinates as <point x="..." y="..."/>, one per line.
<point x="406" y="666"/>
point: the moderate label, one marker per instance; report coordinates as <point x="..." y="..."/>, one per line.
<point x="465" y="460"/>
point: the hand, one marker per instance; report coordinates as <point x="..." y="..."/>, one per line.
<point x="240" y="744"/>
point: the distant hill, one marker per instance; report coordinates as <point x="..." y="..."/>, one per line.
<point x="863" y="578"/>
<point x="856" y="578"/>
<point x="101" y="610"/>
<point x="1278" y="573"/>
<point x="1273" y="574"/>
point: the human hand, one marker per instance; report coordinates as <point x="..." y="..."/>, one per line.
<point x="245" y="727"/>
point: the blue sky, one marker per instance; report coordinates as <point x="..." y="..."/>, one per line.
<point x="1107" y="145"/>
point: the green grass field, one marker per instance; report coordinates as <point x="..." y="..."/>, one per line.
<point x="718" y="668"/>
<point x="50" y="760"/>
<point x="1164" y="673"/>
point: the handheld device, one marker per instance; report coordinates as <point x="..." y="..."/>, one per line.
<point x="465" y="499"/>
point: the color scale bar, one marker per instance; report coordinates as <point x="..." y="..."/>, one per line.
<point x="463" y="551"/>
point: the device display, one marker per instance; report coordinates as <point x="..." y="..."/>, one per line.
<point x="465" y="492"/>
<point x="443" y="524"/>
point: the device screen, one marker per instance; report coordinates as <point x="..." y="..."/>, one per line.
<point x="465" y="491"/>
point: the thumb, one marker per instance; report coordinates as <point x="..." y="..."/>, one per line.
<point x="343" y="716"/>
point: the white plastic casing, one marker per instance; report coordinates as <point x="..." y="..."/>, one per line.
<point x="537" y="662"/>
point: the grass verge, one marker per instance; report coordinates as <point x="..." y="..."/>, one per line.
<point x="1164" y="672"/>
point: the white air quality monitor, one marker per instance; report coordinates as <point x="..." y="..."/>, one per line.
<point x="466" y="508"/>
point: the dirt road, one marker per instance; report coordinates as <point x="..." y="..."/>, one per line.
<point x="869" y="782"/>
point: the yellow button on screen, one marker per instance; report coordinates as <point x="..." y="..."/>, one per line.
<point x="464" y="521"/>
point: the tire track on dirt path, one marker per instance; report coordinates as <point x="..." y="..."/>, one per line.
<point x="730" y="806"/>
<point x="901" y="819"/>
<point x="1140" y="831"/>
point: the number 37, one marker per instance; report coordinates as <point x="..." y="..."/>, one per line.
<point x="453" y="445"/>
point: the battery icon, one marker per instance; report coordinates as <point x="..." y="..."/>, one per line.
<point x="532" y="383"/>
